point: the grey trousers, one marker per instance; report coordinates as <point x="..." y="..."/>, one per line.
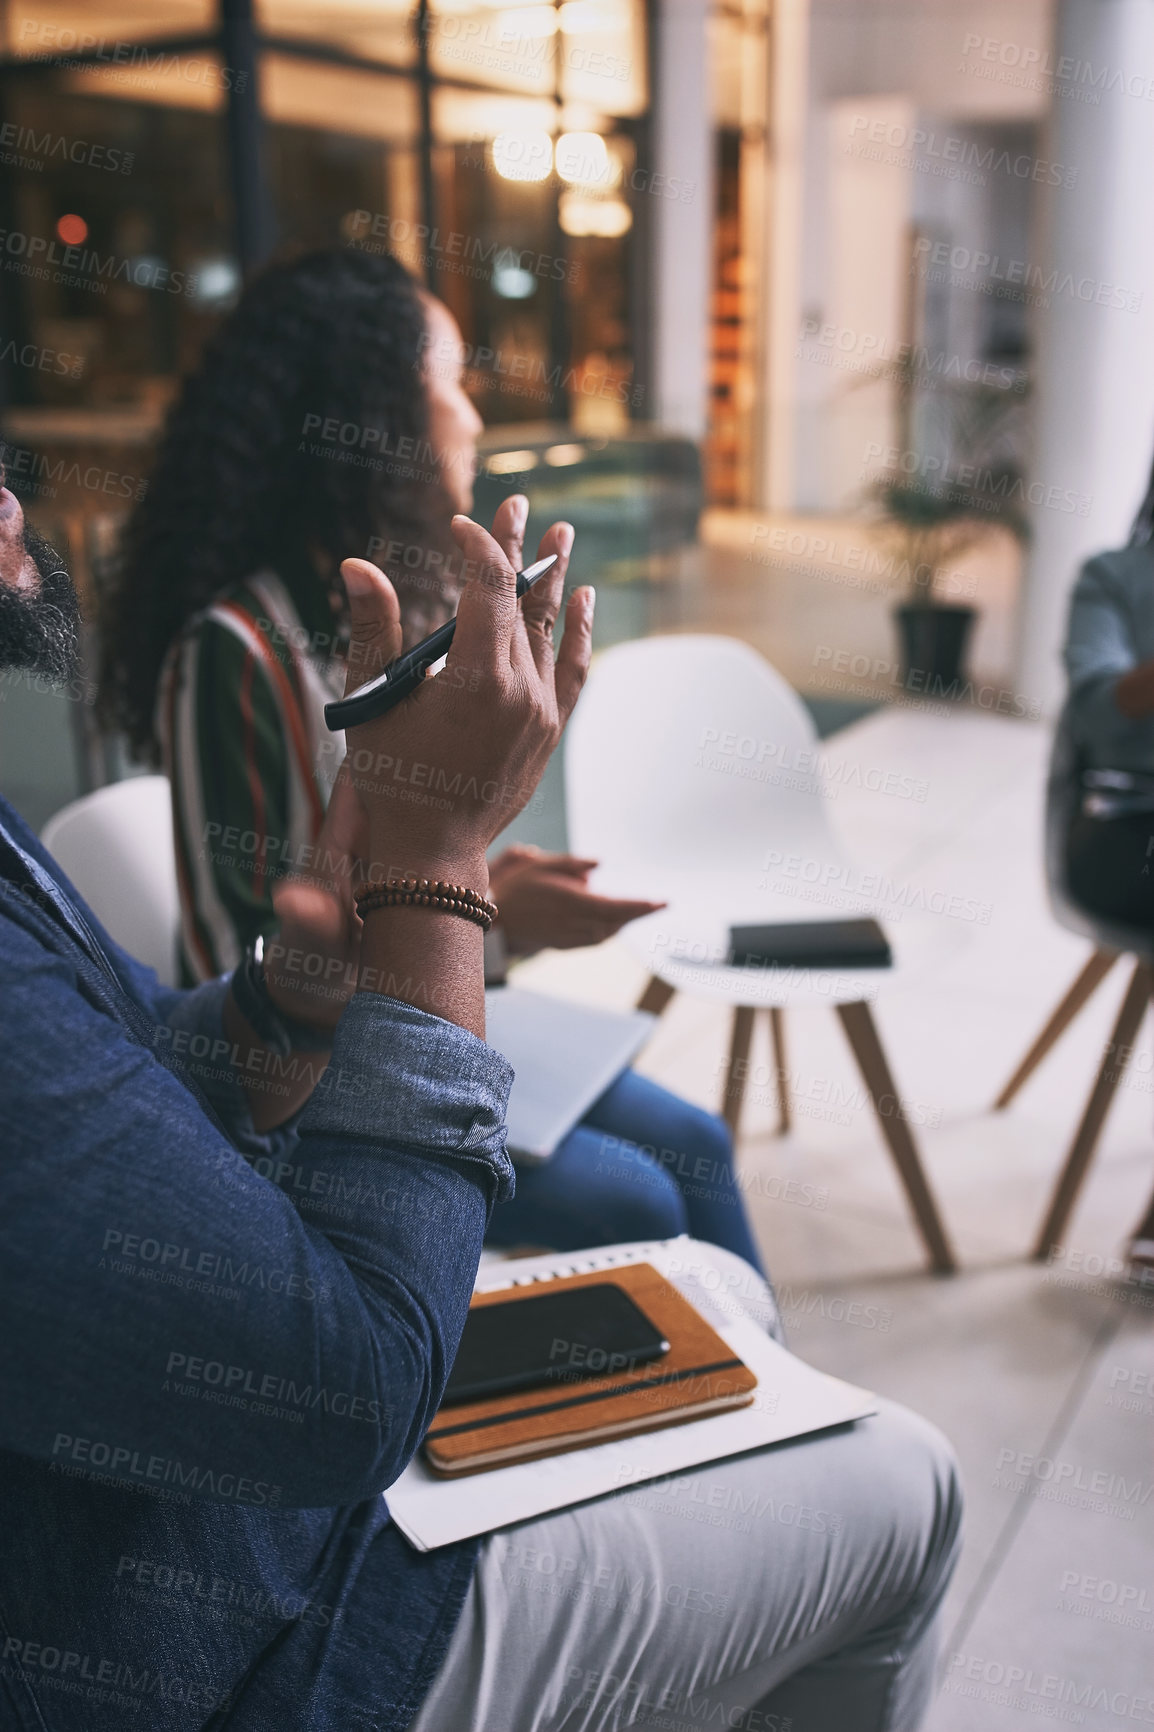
<point x="793" y="1589"/>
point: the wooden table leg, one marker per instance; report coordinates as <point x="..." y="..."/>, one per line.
<point x="861" y="1031"/>
<point x="1087" y="983"/>
<point x="777" y="1031"/>
<point x="1086" y="1137"/>
<point x="656" y="996"/>
<point x="738" y="1064"/>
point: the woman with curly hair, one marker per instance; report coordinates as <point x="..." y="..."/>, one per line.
<point x="230" y="610"/>
<point x="327" y="418"/>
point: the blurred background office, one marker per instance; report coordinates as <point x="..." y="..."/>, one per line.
<point x="830" y="326"/>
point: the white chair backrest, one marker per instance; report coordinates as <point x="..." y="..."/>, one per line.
<point x="116" y="846"/>
<point x="691" y="752"/>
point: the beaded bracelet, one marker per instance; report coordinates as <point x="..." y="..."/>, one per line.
<point x="431" y="893"/>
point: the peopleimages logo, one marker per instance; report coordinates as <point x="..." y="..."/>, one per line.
<point x="1042" y="1693"/>
<point x="457" y="248"/>
<point x="104" y="55"/>
<point x="41" y="146"/>
<point x="39" y="359"/>
<point x="979" y="489"/>
<point x="32" y="474"/>
<point x="808" y="769"/>
<point x="39" y="255"/>
<point x="130" y="1252"/>
<point x="485" y="42"/>
<point x="107" y="1679"/>
<point x="121" y="1463"/>
<point x="950" y="152"/>
<point x="234" y="1385"/>
<point x="991" y="269"/>
<point x="1066" y="1481"/>
<point x="863" y="350"/>
<point x="496" y="365"/>
<point x="1033" y="67"/>
<point x="247" y="1598"/>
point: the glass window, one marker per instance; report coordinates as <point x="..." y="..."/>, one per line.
<point x="585" y="51"/>
<point x="117" y="211"/>
<point x="61" y="27"/>
<point x="116" y="259"/>
<point x="378" y="30"/>
<point x="342" y="155"/>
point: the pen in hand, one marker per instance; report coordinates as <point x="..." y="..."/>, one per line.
<point x="406" y="674"/>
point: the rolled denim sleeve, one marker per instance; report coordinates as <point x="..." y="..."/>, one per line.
<point x="401" y="1077"/>
<point x="396" y="1074"/>
<point x="321" y="1286"/>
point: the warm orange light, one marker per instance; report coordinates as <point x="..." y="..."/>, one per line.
<point x="73" y="230"/>
<point x="524" y="156"/>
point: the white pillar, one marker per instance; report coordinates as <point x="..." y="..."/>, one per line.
<point x="682" y="225"/>
<point x="788" y="104"/>
<point x="1094" y="406"/>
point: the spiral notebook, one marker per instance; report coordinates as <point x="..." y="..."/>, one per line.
<point x="792" y="1399"/>
<point x="699" y="1374"/>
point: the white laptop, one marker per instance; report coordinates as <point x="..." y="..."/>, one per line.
<point x="564" y="1055"/>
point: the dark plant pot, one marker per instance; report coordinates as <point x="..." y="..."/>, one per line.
<point x="933" y="643"/>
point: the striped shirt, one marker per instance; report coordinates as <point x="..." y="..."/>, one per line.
<point x="251" y="763"/>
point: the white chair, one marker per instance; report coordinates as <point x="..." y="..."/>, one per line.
<point x="691" y="774"/>
<point x="116" y="846"/>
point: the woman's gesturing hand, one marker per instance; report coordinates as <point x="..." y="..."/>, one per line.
<point x="545" y="901"/>
<point x="442" y="773"/>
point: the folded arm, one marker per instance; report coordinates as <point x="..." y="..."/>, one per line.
<point x="178" y="1319"/>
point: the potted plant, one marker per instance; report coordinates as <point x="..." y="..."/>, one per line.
<point x="947" y="505"/>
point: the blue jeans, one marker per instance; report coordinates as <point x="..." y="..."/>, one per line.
<point x="642" y="1164"/>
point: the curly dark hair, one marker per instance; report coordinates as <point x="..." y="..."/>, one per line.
<point x="245" y="477"/>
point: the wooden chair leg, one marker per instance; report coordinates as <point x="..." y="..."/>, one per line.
<point x="1087" y="983"/>
<point x="656" y="996"/>
<point x="861" y="1032"/>
<point x="738" y="1065"/>
<point x="777" y="1032"/>
<point x="1086" y="1137"/>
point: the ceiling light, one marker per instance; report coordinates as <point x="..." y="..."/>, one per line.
<point x="530" y="23"/>
<point x="605" y="217"/>
<point x="582" y="159"/>
<point x="585" y="17"/>
<point x="525" y="156"/>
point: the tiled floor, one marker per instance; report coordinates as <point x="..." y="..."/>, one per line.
<point x="803" y="589"/>
<point x="1053" y="1604"/>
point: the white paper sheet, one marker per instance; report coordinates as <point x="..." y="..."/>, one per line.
<point x="791" y="1400"/>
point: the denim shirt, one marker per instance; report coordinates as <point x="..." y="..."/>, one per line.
<point x="1110" y="630"/>
<point x="219" y="1349"/>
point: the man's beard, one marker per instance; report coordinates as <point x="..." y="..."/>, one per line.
<point x="40" y="629"/>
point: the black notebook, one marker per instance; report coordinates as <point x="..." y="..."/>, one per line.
<point x="811" y="944"/>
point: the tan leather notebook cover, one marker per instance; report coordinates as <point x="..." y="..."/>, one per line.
<point x="699" y="1375"/>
